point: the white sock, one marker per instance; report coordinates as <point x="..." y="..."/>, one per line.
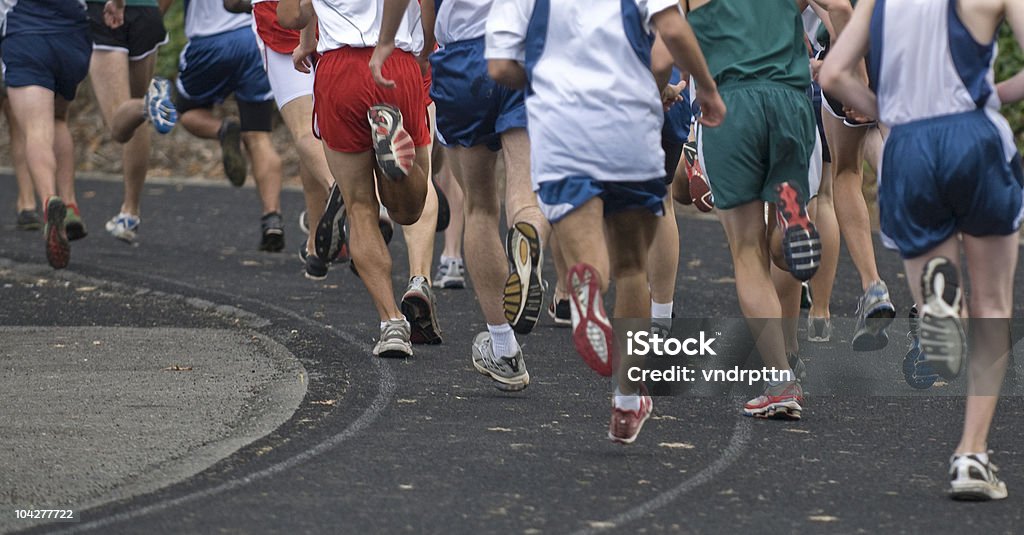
<point x="661" y="310"/>
<point x="503" y="340"/>
<point x="626" y="402"/>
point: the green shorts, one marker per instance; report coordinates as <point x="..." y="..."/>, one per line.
<point x="766" y="139"/>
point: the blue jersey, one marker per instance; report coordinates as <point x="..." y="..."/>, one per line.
<point x="42" y="16"/>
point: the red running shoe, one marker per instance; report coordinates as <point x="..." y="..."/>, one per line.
<point x="781" y="402"/>
<point x="800" y="242"/>
<point x="700" y="189"/>
<point x="626" y="425"/>
<point x="58" y="250"/>
<point x="392" y="145"/>
<point x="591" y="330"/>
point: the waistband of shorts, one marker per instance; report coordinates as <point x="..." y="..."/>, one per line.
<point x="943" y="120"/>
<point x="361" y="51"/>
<point x="466" y="43"/>
<point x="759" y="84"/>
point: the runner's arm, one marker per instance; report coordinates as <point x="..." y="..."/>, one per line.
<point x="238" y="6"/>
<point x="1012" y="90"/>
<point x="840" y="74"/>
<point x="428" y="18"/>
<point x="682" y="43"/>
<point x="294" y="14"/>
<point x="394" y="10"/>
<point x="840" y="12"/>
<point x="113" y="13"/>
<point x="164" y="5"/>
<point x="305" y="54"/>
<point x="506" y="41"/>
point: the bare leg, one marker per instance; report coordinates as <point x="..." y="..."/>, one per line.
<point x="64" y="150"/>
<point x="266" y="169"/>
<point x="663" y="256"/>
<point x="201" y="123"/>
<point x="581" y="234"/>
<point x="561" y="269"/>
<point x="520" y="200"/>
<point x="355" y="176"/>
<point x="745" y="229"/>
<point x="851" y="210"/>
<point x="824" y="213"/>
<point x="33" y="108"/>
<point x="316" y="176"/>
<point x="26" y="194"/>
<point x="452" y="190"/>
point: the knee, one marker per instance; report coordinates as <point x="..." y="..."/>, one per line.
<point x="406" y="215"/>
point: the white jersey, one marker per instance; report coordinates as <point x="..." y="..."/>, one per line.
<point x="356" y="23"/>
<point x="208" y="17"/>
<point x="460" y="20"/>
<point x="811" y="24"/>
<point x="593" y="106"/>
<point x="932" y="67"/>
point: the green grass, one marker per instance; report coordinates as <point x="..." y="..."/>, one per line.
<point x="167" y="61"/>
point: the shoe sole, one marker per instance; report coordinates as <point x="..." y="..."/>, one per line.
<point x="395" y="353"/>
<point x="786" y="410"/>
<point x="874" y="337"/>
<point x="273" y="241"/>
<point x="940" y="320"/>
<point x="591" y="335"/>
<point x="801" y="243"/>
<point x="390" y="147"/>
<point x="450" y="285"/>
<point x="818" y="338"/>
<point x="327" y="238"/>
<point x="504" y="384"/>
<point x="625" y="441"/>
<point x="417" y="309"/>
<point x="75" y="230"/>
<point x="231" y="154"/>
<point x="559" y="322"/>
<point x="916" y="372"/>
<point x="523" y="302"/>
<point x="975" y="492"/>
<point x="58" y="250"/>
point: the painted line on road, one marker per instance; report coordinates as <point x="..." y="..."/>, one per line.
<point x="737" y="444"/>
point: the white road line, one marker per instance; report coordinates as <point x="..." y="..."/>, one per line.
<point x="737" y="443"/>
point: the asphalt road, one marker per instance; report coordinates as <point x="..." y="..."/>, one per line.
<point x="429" y="446"/>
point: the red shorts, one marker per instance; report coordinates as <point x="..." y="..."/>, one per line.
<point x="427" y="78"/>
<point x="344" y="90"/>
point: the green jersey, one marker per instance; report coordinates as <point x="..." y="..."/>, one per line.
<point x="753" y="40"/>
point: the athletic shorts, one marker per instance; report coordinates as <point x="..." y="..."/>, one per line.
<point x="673" y="153"/>
<point x="286" y="83"/>
<point x="558" y="198"/>
<point x="814" y="91"/>
<point x="945" y="175"/>
<point x="428" y="80"/>
<point x="215" y="66"/>
<point x="344" y="90"/>
<point x="766" y="139"/>
<point x="58" y="62"/>
<point x="472" y="109"/>
<point x="141" y="34"/>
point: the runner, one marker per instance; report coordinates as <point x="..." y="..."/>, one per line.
<point x="846" y="145"/>
<point x="476" y="117"/>
<point x="760" y="154"/>
<point x="602" y="191"/>
<point x="375" y="139"/>
<point x="942" y="195"/>
<point x="121" y="72"/>
<point x="45" y="54"/>
<point x="293" y="93"/>
<point x="451" y="270"/>
<point x="27" y="215"/>
<point x="220" y="59"/>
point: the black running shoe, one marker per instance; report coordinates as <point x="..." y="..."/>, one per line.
<point x="316" y="269"/>
<point x="29" y="220"/>
<point x="330" y="234"/>
<point x="235" y="167"/>
<point x="444" y="211"/>
<point x="418" y="307"/>
<point x="800" y="241"/>
<point x="272" y="229"/>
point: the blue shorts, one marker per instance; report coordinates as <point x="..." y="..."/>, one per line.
<point x="472" y="109"/>
<point x="213" y="67"/>
<point x="560" y="197"/>
<point x="946" y="175"/>
<point x="58" y="62"/>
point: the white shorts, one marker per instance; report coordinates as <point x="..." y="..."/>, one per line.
<point x="287" y="83"/>
<point x="815" y="167"/>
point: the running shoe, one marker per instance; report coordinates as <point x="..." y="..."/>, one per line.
<point x="387" y="226"/>
<point x="508" y="373"/>
<point x="819" y="329"/>
<point x="806" y="299"/>
<point x="392" y="145"/>
<point x="592" y="332"/>
<point x="316" y="269"/>
<point x="230" y="136"/>
<point x="304" y="222"/>
<point x="560" y="312"/>
<point x="29" y="220"/>
<point x="394" y="340"/>
<point x="625" y="424"/>
<point x="451" y="273"/>
<point x="797" y="365"/>
<point x="524" y="295"/>
<point x="272" y="229"/>
<point x="330" y="230"/>
<point x="972" y="477"/>
<point x="124" y="226"/>
<point x="874" y="314"/>
<point x="916" y="370"/>
<point x="58" y="250"/>
<point x="418" y="307"/>
<point x="941" y="332"/>
<point x="700" y="188"/>
<point x="73" y="224"/>
<point x="160" y="110"/>
<point x="800" y="241"/>
<point x="781" y="401"/>
<point x="444" y="210"/>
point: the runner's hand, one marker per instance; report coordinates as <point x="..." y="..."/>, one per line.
<point x="113" y="15"/>
<point x="856" y="116"/>
<point x="381" y="53"/>
<point x="302" y="58"/>
<point x="672" y="94"/>
<point x="815" y="68"/>
<point x="712" y="108"/>
<point x="424" y="60"/>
